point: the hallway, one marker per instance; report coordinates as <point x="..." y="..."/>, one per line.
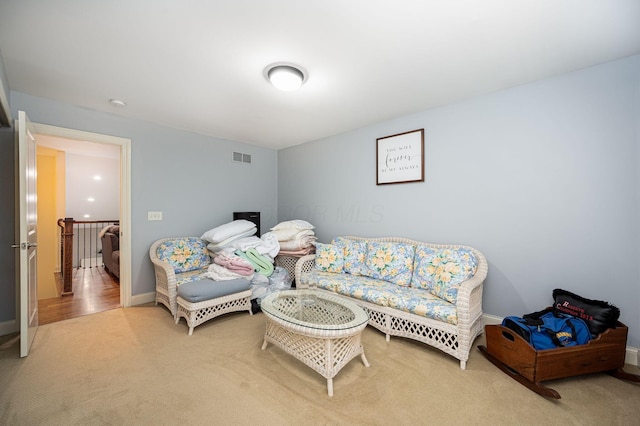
<point x="94" y="290"/>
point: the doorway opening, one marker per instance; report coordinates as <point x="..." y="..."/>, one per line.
<point x="94" y="287"/>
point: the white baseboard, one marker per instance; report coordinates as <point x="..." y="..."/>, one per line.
<point x="631" y="356"/>
<point x="8" y="327"/>
<point x="491" y="319"/>
<point x="141" y="299"/>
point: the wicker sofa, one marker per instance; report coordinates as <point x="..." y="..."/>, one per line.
<point x="428" y="292"/>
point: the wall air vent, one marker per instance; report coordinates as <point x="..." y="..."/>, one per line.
<point x="241" y="158"/>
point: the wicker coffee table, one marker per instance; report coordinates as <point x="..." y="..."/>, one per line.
<point x="319" y="329"/>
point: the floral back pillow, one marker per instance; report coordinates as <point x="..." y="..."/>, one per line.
<point x="391" y="262"/>
<point x="355" y="252"/>
<point x="329" y="258"/>
<point x="442" y="271"/>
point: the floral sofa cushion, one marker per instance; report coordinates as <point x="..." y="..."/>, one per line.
<point x="422" y="303"/>
<point x="442" y="271"/>
<point x="329" y="258"/>
<point x="382" y="293"/>
<point x="355" y="253"/>
<point x="357" y="286"/>
<point x="184" y="254"/>
<point x="391" y="262"/>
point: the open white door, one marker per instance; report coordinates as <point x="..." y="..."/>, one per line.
<point x="26" y="243"/>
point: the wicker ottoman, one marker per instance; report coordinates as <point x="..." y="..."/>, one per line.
<point x="199" y="301"/>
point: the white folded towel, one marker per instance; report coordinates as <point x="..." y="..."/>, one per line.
<point x="220" y="273"/>
<point x="267" y="245"/>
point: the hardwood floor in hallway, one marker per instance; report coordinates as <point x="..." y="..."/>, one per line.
<point x="94" y="290"/>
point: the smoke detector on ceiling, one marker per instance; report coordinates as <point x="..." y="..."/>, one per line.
<point x="117" y="103"/>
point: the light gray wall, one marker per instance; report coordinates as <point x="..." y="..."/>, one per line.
<point x="4" y="92"/>
<point x="542" y="178"/>
<point x="189" y="177"/>
<point x="7" y="233"/>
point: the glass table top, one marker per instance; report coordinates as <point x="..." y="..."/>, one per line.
<point x="314" y="309"/>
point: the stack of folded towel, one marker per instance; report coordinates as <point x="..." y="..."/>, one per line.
<point x="237" y="253"/>
<point x="228" y="266"/>
<point x="296" y="237"/>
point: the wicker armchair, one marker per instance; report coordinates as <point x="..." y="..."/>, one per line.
<point x="176" y="261"/>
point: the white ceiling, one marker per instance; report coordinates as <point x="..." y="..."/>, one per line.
<point x="198" y="65"/>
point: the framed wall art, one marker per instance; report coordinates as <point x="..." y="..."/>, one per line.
<point x="400" y="158"/>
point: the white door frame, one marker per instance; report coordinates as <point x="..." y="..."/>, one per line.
<point x="125" y="195"/>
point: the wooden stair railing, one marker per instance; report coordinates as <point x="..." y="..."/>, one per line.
<point x="68" y="229"/>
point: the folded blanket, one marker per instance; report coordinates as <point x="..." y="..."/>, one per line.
<point x="228" y="230"/>
<point x="220" y="273"/>
<point x="300" y="243"/>
<point x="266" y="245"/>
<point x="298" y="253"/>
<point x="261" y="263"/>
<point x="234" y="264"/>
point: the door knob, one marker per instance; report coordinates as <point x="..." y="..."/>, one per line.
<point x="24" y="246"/>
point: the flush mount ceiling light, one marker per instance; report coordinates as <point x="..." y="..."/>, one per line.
<point x="285" y="77"/>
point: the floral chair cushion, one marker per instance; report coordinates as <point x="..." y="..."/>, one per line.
<point x="391" y="262"/>
<point x="329" y="258"/>
<point x="441" y="272"/>
<point x="184" y="254"/>
<point x="355" y="253"/>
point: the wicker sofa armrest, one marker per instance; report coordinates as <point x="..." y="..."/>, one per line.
<point x="166" y="284"/>
<point x="304" y="264"/>
<point x="165" y="274"/>
<point x="469" y="308"/>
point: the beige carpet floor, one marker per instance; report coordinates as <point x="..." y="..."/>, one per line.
<point x="135" y="366"/>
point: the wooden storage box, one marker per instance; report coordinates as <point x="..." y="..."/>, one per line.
<point x="516" y="357"/>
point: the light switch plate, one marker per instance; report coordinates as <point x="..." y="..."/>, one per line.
<point x="154" y="215"/>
